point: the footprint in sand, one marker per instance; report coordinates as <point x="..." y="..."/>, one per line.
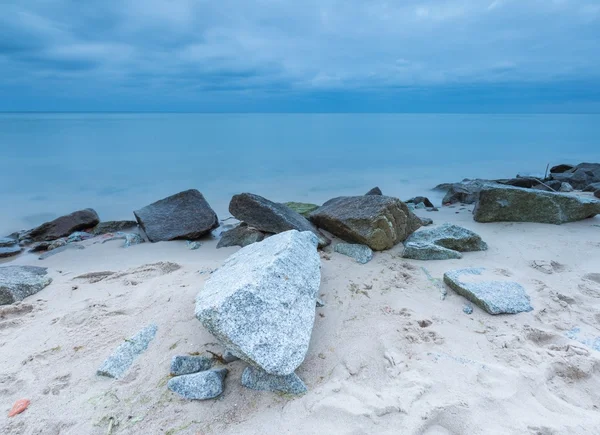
<point x="448" y="420"/>
<point x="548" y="267"/>
<point x="576" y="380"/>
<point x="132" y="276"/>
<point x="11" y="315"/>
<point x="59" y="383"/>
<point x="591" y="285"/>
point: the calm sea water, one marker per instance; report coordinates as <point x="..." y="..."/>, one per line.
<point x="55" y="163"/>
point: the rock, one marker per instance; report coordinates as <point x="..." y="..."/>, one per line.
<point x="10" y="251"/>
<point x="229" y="357"/>
<point x="426" y="221"/>
<point x="59" y="250"/>
<point x="380" y="222"/>
<point x="58" y="243"/>
<point x="131" y="239"/>
<point x="193" y="245"/>
<point x="442" y="243"/>
<point x="19" y="282"/>
<point x="420" y="206"/>
<point x="7" y="242"/>
<point x="527" y="182"/>
<point x="199" y="386"/>
<point x="465" y="192"/>
<point x="468" y="309"/>
<point x="549" y="186"/>
<point x="513" y="204"/>
<point x="559" y="169"/>
<point x="79" y="236"/>
<point x="419" y="200"/>
<point x="185" y="215"/>
<point x="320" y="303"/>
<point x="258" y="379"/>
<point x="302" y="207"/>
<point x="565" y="187"/>
<point x="361" y="253"/>
<point x="64" y="226"/>
<point x="494" y="296"/>
<point x="186" y="364"/>
<point x="374" y="191"/>
<point x="240" y="236"/>
<point x="260" y="304"/>
<point x="113" y="227"/>
<point x="580" y="176"/>
<point x="270" y="217"/>
<point x="121" y="359"/>
<point x="592" y="187"/>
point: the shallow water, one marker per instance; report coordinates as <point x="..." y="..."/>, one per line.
<point x="55" y="163"/>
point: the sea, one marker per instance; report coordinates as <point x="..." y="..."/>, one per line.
<point x="55" y="163"/>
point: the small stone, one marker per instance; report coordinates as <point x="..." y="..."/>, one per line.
<point x="229" y="357"/>
<point x="420" y="200"/>
<point x="361" y="253"/>
<point x="243" y="235"/>
<point x="258" y="379"/>
<point x="468" y="309"/>
<point x="186" y="364"/>
<point x="193" y="245"/>
<point x="320" y="303"/>
<point x="566" y="187"/>
<point x="199" y="386"/>
<point x="121" y="359"/>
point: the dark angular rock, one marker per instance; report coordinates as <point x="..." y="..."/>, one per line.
<point x="559" y="169"/>
<point x="419" y="200"/>
<point x="185" y="215"/>
<point x="271" y="217"/>
<point x="380" y="222"/>
<point x="513" y="204"/>
<point x="199" y="386"/>
<point x="444" y="242"/>
<point x="19" y="282"/>
<point x="113" y="227"/>
<point x="64" y="226"/>
<point x="186" y="364"/>
<point x="374" y="191"/>
<point x="581" y="175"/>
<point x="258" y="379"/>
<point x="240" y="236"/>
<point x="303" y="208"/>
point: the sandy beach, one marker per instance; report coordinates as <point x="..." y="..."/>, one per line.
<point x="388" y="354"/>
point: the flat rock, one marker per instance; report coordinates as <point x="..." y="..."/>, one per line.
<point x="186" y="364"/>
<point x="258" y="379"/>
<point x="60" y="249"/>
<point x="513" y="204"/>
<point x="374" y="191"/>
<point x="19" y="282"/>
<point x="271" y="217"/>
<point x="121" y="359"/>
<point x="380" y="222"/>
<point x="199" y="386"/>
<point x="260" y="304"/>
<point x="240" y="236"/>
<point x="113" y="227"/>
<point x="10" y="251"/>
<point x="442" y="243"/>
<point x="304" y="208"/>
<point x="64" y="226"/>
<point x="488" y="290"/>
<point x="185" y="215"/>
<point x="361" y="253"/>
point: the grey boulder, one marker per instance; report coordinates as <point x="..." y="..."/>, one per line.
<point x="19" y="282"/>
<point x="258" y="379"/>
<point x="378" y="221"/>
<point x="465" y="192"/>
<point x="580" y="176"/>
<point x="186" y="364"/>
<point x="513" y="204"/>
<point x="242" y="235"/>
<point x="64" y="226"/>
<point x="185" y="215"/>
<point x="442" y="243"/>
<point x="374" y="191"/>
<point x="199" y="386"/>
<point x="271" y="217"/>
<point x="492" y="295"/>
<point x="361" y="253"/>
<point x="260" y="304"/>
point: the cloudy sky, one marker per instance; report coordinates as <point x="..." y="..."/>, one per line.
<point x="300" y="55"/>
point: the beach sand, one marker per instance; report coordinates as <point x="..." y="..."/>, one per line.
<point x="388" y="354"/>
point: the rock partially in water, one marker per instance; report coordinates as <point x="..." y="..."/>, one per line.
<point x="260" y="380"/>
<point x="240" y="236"/>
<point x="121" y="359"/>
<point x="19" y="282"/>
<point x="380" y="222"/>
<point x="271" y="217"/>
<point x="260" y="303"/>
<point x="484" y="289"/>
<point x="199" y="386"/>
<point x="442" y="243"/>
<point x="303" y="208"/>
<point x="113" y="227"/>
<point x="361" y="253"/>
<point x="187" y="364"/>
<point x="185" y="215"/>
<point x="374" y="191"/>
<point x="513" y="204"/>
<point x="64" y="226"/>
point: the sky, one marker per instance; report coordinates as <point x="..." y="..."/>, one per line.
<point x="300" y="56"/>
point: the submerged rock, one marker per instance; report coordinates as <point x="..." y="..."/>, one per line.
<point x="260" y="303"/>
<point x="64" y="226"/>
<point x="121" y="359"/>
<point x="240" y="236"/>
<point x="303" y="208"/>
<point x="442" y="243"/>
<point x="258" y="379"/>
<point x="199" y="386"/>
<point x="186" y="364"/>
<point x="492" y="295"/>
<point x="113" y="227"/>
<point x="379" y="222"/>
<point x="361" y="253"/>
<point x="19" y="282"/>
<point x="374" y="191"/>
<point x="185" y="215"/>
<point x="271" y="217"/>
<point x="513" y="204"/>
